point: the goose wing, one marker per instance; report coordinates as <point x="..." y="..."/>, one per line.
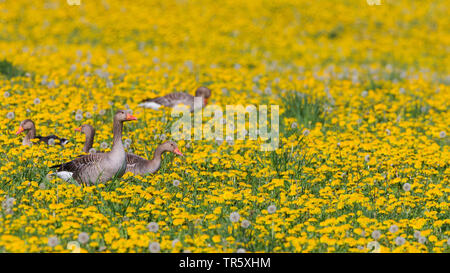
<point x="79" y="164"/>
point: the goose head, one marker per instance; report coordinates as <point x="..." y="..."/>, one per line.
<point x="86" y="129"/>
<point x="122" y="115"/>
<point x="25" y="125"/>
<point x="170" y="146"/>
<point x="203" y="92"/>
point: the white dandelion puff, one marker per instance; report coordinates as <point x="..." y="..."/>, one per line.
<point x="234" y="217"/>
<point x="51" y="141"/>
<point x="442" y="134"/>
<point x="245" y="223"/>
<point x="393" y="229"/>
<point x="102" y="112"/>
<point x="422" y="239"/>
<point x="175" y="242"/>
<point x="83" y="237"/>
<point x="154" y="247"/>
<point x="37" y="101"/>
<point x="10" y="115"/>
<point x="104" y="145"/>
<point x="92" y="151"/>
<point x="376" y="234"/>
<point x="400" y="241"/>
<point x="53" y="241"/>
<point x="78" y="117"/>
<point x="240" y="250"/>
<point x="417" y="234"/>
<point x="153" y="227"/>
<point x="176" y="183"/>
<point x="406" y="187"/>
<point x="6" y="94"/>
<point x="272" y="209"/>
<point x="128" y="141"/>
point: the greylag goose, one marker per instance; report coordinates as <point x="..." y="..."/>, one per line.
<point x="142" y="166"/>
<point x="101" y="167"/>
<point x="173" y="99"/>
<point x="135" y="164"/>
<point x="89" y="132"/>
<point x="28" y="126"/>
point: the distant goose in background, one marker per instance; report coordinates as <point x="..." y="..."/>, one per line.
<point x="173" y="99"/>
<point x="100" y="167"/>
<point x="135" y="164"/>
<point x="89" y="132"/>
<point x="28" y="126"/>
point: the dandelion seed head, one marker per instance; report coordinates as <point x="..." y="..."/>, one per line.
<point x="154" y="247"/>
<point x="245" y="223"/>
<point x="176" y="183"/>
<point x="240" y="250"/>
<point x="272" y="209"/>
<point x="37" y="101"/>
<point x="175" y="242"/>
<point x="83" y="237"/>
<point x="10" y="115"/>
<point x="442" y="134"/>
<point x="92" y="151"/>
<point x="393" y="229"/>
<point x="234" y="217"/>
<point x="406" y="187"/>
<point x="400" y="241"/>
<point x="51" y="141"/>
<point x="53" y="241"/>
<point x="422" y="239"/>
<point x="78" y="117"/>
<point x="376" y="234"/>
<point x="128" y="141"/>
<point x="416" y="234"/>
<point x="6" y="94"/>
<point x="153" y="227"/>
<point x="104" y="145"/>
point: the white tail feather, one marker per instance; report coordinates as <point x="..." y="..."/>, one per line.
<point x="150" y="104"/>
<point x="66" y="176"/>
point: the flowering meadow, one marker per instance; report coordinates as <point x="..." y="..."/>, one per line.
<point x="362" y="163"/>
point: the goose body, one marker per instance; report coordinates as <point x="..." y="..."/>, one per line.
<point x="141" y="166"/>
<point x="135" y="163"/>
<point x="29" y="127"/>
<point x="101" y="167"/>
<point x="177" y="98"/>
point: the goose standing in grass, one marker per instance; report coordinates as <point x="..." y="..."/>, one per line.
<point x="135" y="164"/>
<point x="173" y="99"/>
<point x="28" y="126"/>
<point x="141" y="166"/>
<point x="101" y="167"/>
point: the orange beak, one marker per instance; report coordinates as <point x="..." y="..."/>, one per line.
<point x="20" y="130"/>
<point x="176" y="151"/>
<point x="131" y="117"/>
<point x="78" y="129"/>
<point x="205" y="100"/>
